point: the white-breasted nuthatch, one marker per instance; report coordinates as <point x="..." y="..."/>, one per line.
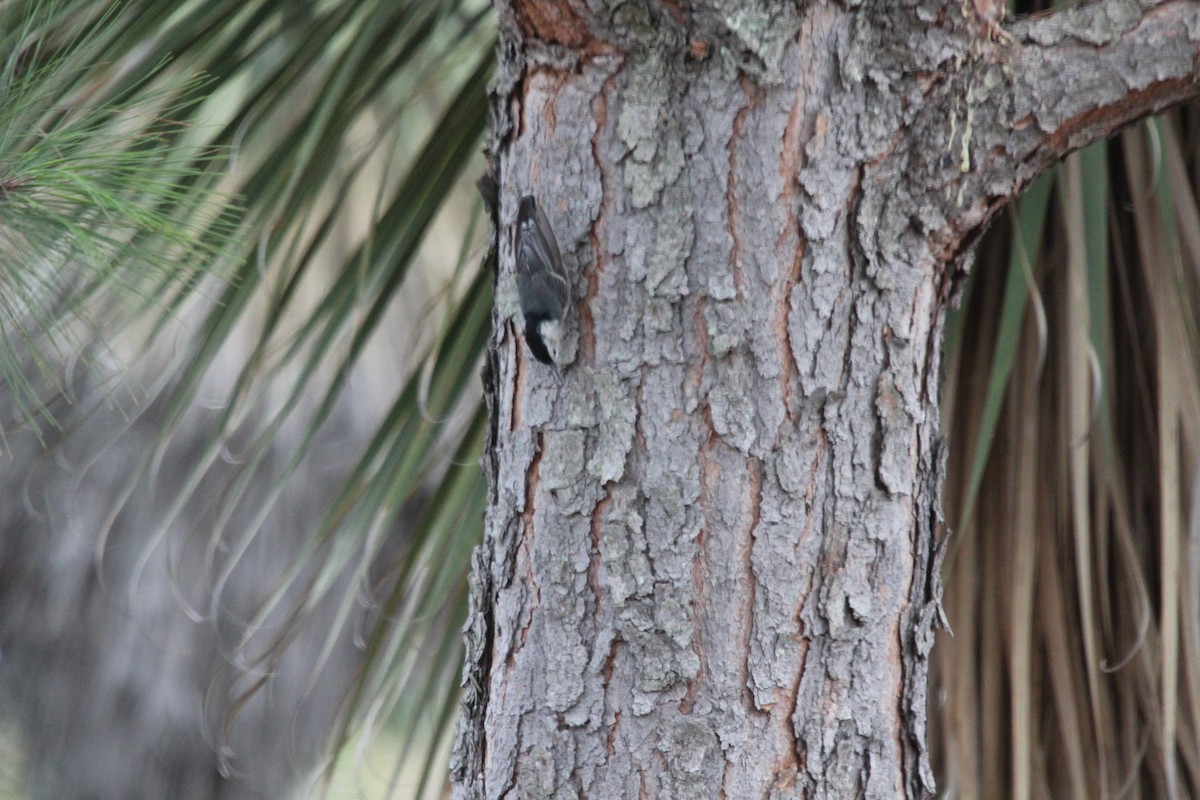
<point x="543" y="286"/>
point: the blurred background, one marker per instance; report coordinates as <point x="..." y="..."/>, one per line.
<point x="242" y="305"/>
<point x="242" y="310"/>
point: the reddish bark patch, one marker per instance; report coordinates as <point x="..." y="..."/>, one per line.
<point x="731" y="182"/>
<point x="554" y="22"/>
<point x="517" y="338"/>
<point x="1110" y="117"/>
<point x="587" y="326"/>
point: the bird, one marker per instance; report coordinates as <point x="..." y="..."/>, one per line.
<point x="543" y="285"/>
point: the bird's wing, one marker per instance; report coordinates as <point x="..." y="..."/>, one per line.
<point x="540" y="271"/>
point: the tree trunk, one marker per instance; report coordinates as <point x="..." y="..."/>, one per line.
<point x="709" y="567"/>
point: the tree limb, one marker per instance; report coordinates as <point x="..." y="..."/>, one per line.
<point x="1053" y="85"/>
<point x="1082" y="73"/>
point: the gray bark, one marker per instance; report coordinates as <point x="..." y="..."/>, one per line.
<point x="709" y="567"/>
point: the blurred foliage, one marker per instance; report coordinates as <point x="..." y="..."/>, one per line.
<point x="101" y="212"/>
<point x="267" y="175"/>
<point x="1072" y="403"/>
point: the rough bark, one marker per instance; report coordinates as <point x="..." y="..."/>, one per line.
<point x="709" y="566"/>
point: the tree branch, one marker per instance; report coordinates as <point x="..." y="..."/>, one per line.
<point x="1082" y="73"/>
<point x="1058" y="83"/>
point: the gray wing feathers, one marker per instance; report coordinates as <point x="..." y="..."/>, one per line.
<point x="541" y="279"/>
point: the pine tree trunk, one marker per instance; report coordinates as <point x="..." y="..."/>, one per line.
<point x="709" y="558"/>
